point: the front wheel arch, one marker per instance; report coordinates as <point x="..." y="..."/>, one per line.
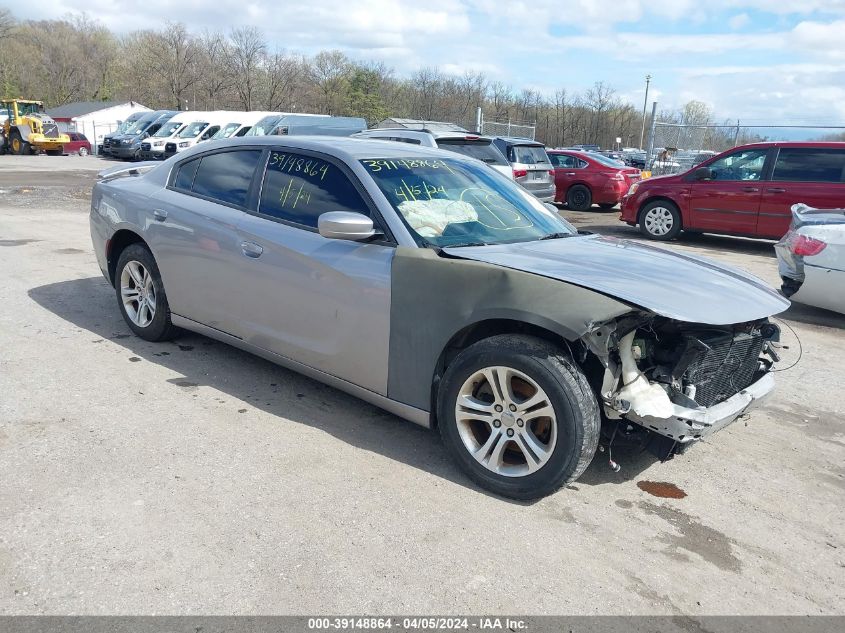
<point x="485" y="329"/>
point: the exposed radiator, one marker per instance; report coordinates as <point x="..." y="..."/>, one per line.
<point x="726" y="368"/>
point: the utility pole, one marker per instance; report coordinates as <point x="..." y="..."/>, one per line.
<point x="645" y="102"/>
<point x="650" y="153"/>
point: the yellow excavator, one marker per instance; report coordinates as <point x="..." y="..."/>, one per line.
<point x="27" y="129"/>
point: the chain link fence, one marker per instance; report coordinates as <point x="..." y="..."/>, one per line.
<point x="518" y="130"/>
<point x="677" y="147"/>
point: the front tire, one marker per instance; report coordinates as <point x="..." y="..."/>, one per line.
<point x="518" y="416"/>
<point x="141" y="296"/>
<point x="660" y="220"/>
<point x="579" y="198"/>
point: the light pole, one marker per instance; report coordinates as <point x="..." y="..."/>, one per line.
<point x="645" y="102"/>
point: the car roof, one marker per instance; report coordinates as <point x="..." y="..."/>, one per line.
<point x="514" y="140"/>
<point x="410" y="133"/>
<point x="797" y="144"/>
<point x="349" y="149"/>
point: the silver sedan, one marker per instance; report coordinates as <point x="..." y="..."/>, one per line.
<point x="432" y="286"/>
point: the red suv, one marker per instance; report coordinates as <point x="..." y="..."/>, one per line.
<point x="746" y="191"/>
<point x="78" y="144"/>
<point x="585" y="178"/>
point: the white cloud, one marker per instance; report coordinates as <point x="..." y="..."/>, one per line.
<point x="739" y="21"/>
<point x="550" y="43"/>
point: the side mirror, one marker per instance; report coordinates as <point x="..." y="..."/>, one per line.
<point x="344" y="225"/>
<point x="703" y="173"/>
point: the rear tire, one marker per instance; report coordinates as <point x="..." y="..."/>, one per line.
<point x="141" y="296"/>
<point x="546" y="430"/>
<point x="579" y="198"/>
<point x="660" y="220"/>
<point x="83" y="151"/>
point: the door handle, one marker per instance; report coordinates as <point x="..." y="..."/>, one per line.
<point x="776" y="190"/>
<point x="750" y="189"/>
<point x="251" y="249"/>
<point x="159" y="215"/>
<point x="570" y="173"/>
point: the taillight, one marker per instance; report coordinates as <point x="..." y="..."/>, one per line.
<point x="806" y="246"/>
<point x="551" y="172"/>
<point x="520" y="173"/>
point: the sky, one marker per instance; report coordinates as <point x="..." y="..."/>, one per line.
<point x="760" y="61"/>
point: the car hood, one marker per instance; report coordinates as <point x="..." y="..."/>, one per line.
<point x="667" y="283"/>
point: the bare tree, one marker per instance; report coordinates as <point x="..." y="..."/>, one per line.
<point x="329" y="72"/>
<point x="245" y="61"/>
<point x="283" y="76"/>
<point x="173" y="54"/>
<point x="214" y="76"/>
<point x="7" y="23"/>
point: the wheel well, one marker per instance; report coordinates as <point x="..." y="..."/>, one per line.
<point x="582" y="184"/>
<point x="116" y="244"/>
<point x="657" y="199"/>
<point x="480" y="331"/>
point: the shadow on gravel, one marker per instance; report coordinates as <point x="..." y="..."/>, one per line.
<point x="90" y="305"/>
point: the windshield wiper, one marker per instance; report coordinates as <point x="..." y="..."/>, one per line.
<point x="460" y="244"/>
<point x="555" y="236"/>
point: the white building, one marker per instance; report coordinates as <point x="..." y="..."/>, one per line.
<point x="94" y="119"/>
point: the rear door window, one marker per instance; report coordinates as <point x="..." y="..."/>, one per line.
<point x="565" y="160"/>
<point x="810" y="165"/>
<point x="185" y="176"/>
<point x="223" y="177"/>
<point x="299" y="188"/>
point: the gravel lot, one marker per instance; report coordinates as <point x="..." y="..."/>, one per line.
<point x="189" y="477"/>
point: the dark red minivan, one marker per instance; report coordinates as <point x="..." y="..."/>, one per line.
<point x="745" y="191"/>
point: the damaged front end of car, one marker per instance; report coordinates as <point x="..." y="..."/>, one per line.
<point x="668" y="383"/>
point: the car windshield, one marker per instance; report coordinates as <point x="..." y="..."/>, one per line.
<point x="126" y="125"/>
<point x="193" y="129"/>
<point x="226" y="131"/>
<point x="168" y="129"/>
<point x="482" y="150"/>
<point x="528" y="154"/>
<point x="606" y="160"/>
<point x="264" y="126"/>
<point x="451" y="202"/>
<point x="140" y="125"/>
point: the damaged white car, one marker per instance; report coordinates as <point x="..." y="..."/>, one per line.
<point x="432" y="286"/>
<point x="811" y="258"/>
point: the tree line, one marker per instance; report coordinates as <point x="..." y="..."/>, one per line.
<point x="78" y="59"/>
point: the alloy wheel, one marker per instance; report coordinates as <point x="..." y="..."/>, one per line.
<point x="138" y="293"/>
<point x="506" y="421"/>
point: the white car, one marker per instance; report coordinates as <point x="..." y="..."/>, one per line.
<point x="811" y="258"/>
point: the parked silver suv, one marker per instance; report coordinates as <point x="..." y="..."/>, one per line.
<point x="531" y="165"/>
<point x="453" y="139"/>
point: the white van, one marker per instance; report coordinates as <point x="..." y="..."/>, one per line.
<point x="203" y="127"/>
<point x="153" y="147"/>
<point x="239" y="124"/>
